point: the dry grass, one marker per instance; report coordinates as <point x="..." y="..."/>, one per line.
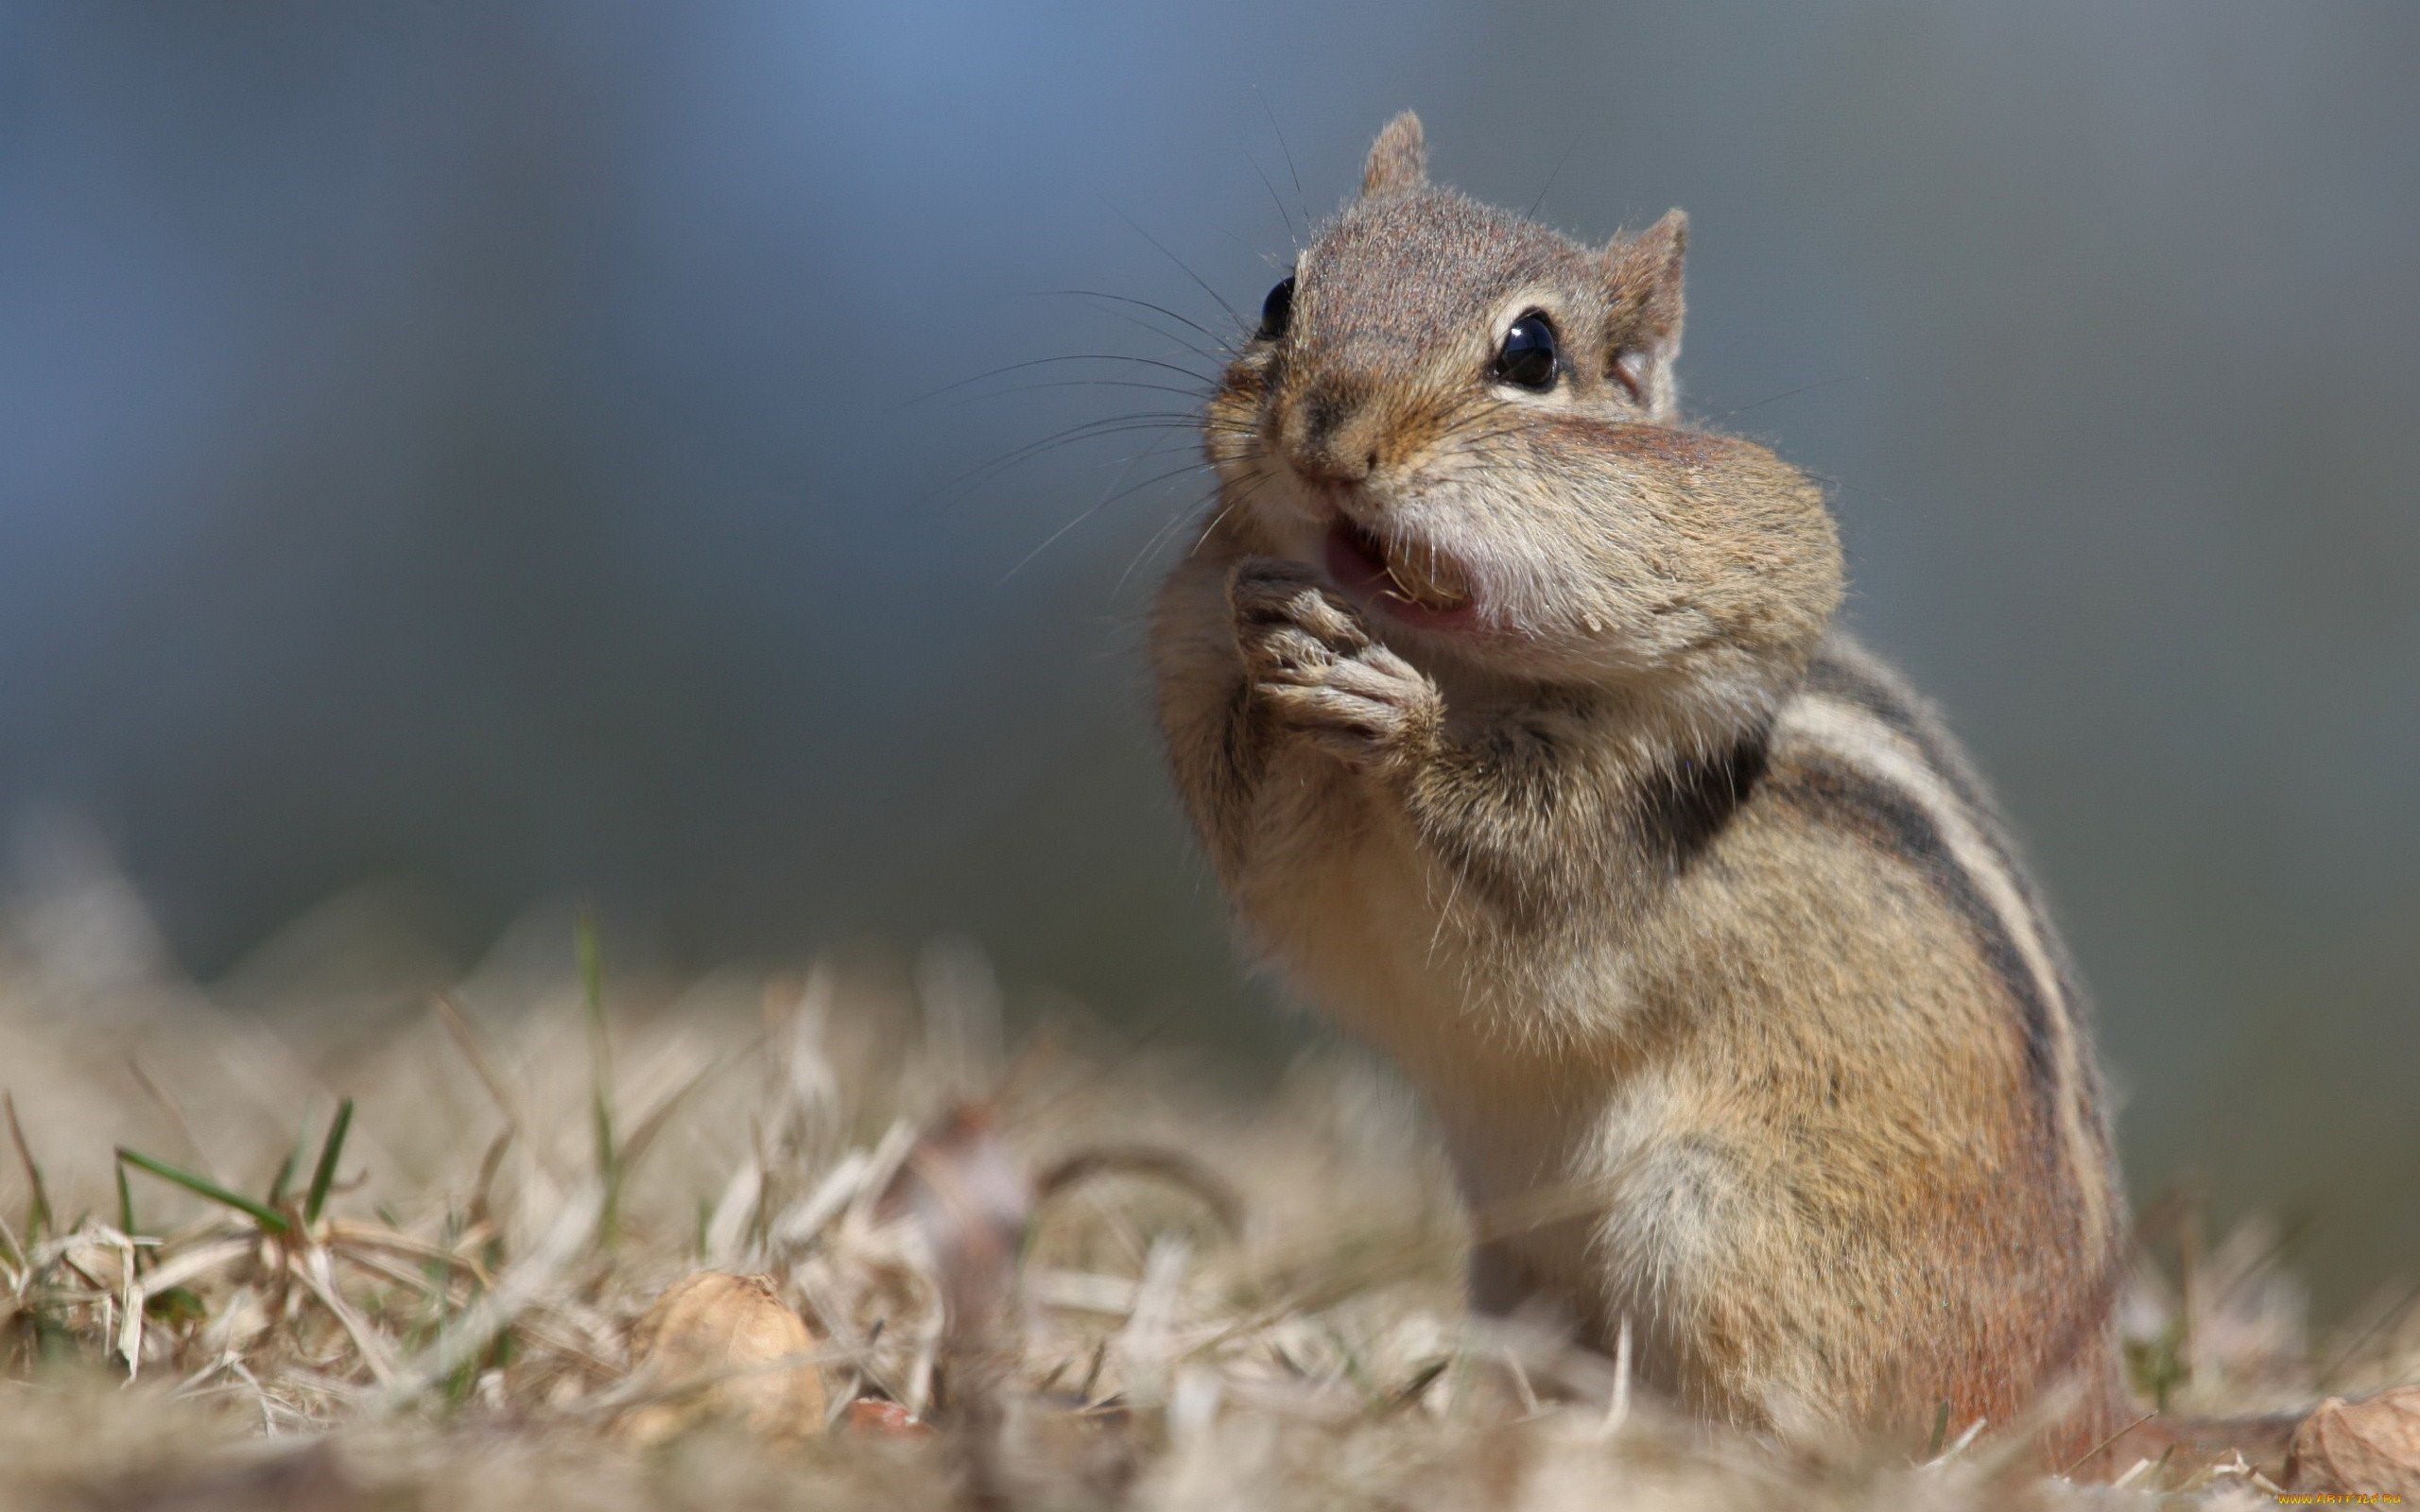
<point x="441" y="1214"/>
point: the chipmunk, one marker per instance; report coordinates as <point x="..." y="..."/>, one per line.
<point x="1510" y="710"/>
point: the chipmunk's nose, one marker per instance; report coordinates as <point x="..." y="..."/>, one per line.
<point x="1329" y="435"/>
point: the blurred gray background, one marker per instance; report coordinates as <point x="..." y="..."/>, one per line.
<point x="480" y="447"/>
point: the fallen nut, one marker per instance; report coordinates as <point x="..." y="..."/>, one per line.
<point x="2365" y="1447"/>
<point x="714" y="1346"/>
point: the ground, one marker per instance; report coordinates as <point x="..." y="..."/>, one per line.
<point x="326" y="1246"/>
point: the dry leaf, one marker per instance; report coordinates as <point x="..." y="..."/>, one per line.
<point x="725" y="1347"/>
<point x="967" y="1192"/>
<point x="885" y="1418"/>
<point x="2370" y="1447"/>
<point x="969" y="1196"/>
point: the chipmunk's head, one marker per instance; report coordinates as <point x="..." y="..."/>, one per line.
<point x="1469" y="421"/>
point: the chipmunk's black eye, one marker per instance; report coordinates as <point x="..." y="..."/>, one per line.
<point x="1529" y="358"/>
<point x="1277" y="311"/>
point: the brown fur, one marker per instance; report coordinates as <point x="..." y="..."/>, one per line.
<point x="1676" y="907"/>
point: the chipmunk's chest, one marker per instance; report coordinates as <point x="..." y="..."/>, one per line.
<point x="1388" y="943"/>
<point x="1358" y="922"/>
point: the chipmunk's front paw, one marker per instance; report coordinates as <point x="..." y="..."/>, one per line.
<point x="1311" y="663"/>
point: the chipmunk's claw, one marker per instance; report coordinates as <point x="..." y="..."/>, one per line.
<point x="1312" y="664"/>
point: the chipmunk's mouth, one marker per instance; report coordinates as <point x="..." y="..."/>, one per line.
<point x="1411" y="581"/>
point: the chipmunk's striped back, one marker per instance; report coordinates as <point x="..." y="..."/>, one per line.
<point x="2004" y="1202"/>
<point x="1859" y="748"/>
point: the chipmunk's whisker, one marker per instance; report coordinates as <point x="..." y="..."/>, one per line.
<point x="1064" y="358"/>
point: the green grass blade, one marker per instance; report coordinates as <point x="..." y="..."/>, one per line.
<point x="590" y="951"/>
<point x="201" y="1186"/>
<point x="285" y="1177"/>
<point x="38" y="1212"/>
<point x="125" y="1204"/>
<point x="324" y="1175"/>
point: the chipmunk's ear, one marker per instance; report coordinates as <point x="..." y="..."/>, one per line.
<point x="1398" y="159"/>
<point x="1646" y="270"/>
